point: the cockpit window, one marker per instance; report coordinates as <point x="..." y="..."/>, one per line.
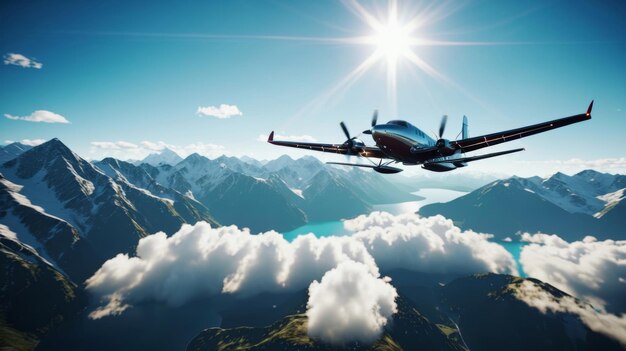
<point x="399" y="123"/>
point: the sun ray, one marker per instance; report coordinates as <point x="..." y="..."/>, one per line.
<point x="337" y="89"/>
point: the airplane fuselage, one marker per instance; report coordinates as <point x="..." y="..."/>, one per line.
<point x="408" y="144"/>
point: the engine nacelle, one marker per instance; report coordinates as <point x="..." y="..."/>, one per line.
<point x="439" y="167"/>
<point x="445" y="149"/>
<point x="355" y="145"/>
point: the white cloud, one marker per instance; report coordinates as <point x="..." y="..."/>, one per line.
<point x="113" y="145"/>
<point x="589" y="269"/>
<point x="608" y="324"/>
<point x="203" y="261"/>
<point x="158" y="146"/>
<point x="349" y="304"/>
<point x="223" y="111"/>
<point x="430" y="244"/>
<point x="304" y="138"/>
<point x="40" y="116"/>
<point x="21" y="60"/>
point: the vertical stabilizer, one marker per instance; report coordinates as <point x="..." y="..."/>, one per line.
<point x="464" y="131"/>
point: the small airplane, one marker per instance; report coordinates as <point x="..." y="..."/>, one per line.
<point x="401" y="142"/>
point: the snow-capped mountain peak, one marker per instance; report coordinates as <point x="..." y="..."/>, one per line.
<point x="166" y="156"/>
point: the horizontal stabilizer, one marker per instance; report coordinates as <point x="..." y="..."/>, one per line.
<point x="476" y="158"/>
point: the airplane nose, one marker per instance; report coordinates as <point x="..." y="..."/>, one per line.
<point x="378" y="129"/>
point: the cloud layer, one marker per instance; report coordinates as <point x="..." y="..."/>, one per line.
<point x="21" y="60"/>
<point x="202" y="261"/>
<point x="366" y="304"/>
<point x="39" y="116"/>
<point x="588" y="269"/>
<point x="608" y="324"/>
<point x="222" y="111"/>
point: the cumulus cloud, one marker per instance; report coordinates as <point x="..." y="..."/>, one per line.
<point x="349" y="304"/>
<point x="21" y="60"/>
<point x="304" y="138"/>
<point x="432" y="244"/>
<point x="222" y="111"/>
<point x="202" y="261"/>
<point x="589" y="269"/>
<point x="608" y="324"/>
<point x="39" y="116"/>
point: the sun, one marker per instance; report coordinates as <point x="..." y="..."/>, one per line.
<point x="393" y="41"/>
<point x="397" y="41"/>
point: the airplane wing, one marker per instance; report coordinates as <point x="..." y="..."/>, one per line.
<point x="479" y="142"/>
<point x="475" y="158"/>
<point x="368" y="151"/>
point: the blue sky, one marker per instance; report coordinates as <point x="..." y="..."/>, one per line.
<point x="137" y="73"/>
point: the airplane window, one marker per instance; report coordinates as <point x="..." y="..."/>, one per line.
<point x="399" y="123"/>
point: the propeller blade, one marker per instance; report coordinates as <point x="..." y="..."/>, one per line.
<point x="345" y="130"/>
<point x="374" y="118"/>
<point x="442" y="126"/>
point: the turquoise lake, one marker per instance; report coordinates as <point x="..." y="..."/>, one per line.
<point x="336" y="228"/>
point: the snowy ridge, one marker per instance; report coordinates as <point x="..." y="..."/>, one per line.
<point x="164" y="157"/>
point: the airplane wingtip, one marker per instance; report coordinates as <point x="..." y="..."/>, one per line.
<point x="271" y="137"/>
<point x="589" y="109"/>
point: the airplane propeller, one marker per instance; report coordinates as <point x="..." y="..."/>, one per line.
<point x="355" y="145"/>
<point x="443" y="144"/>
<point x="345" y="130"/>
<point x="442" y="126"/>
<point x="374" y="118"/>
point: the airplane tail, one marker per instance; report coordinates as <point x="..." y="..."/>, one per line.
<point x="464" y="131"/>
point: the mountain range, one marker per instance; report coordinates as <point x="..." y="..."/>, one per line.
<point x="61" y="217"/>
<point x="281" y="194"/>
<point x="587" y="203"/>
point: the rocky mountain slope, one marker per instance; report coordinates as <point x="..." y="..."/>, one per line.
<point x="478" y="312"/>
<point x="74" y="213"/>
<point x="34" y="296"/>
<point x="588" y="203"/>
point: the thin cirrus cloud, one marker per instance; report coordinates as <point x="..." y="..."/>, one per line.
<point x="222" y="111"/>
<point x="22" y="61"/>
<point x="113" y="145"/>
<point x="39" y="116"/>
